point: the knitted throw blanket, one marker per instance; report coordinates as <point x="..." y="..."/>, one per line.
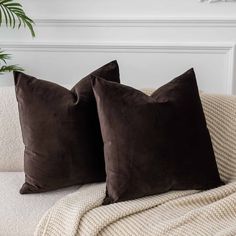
<point x="179" y="213"/>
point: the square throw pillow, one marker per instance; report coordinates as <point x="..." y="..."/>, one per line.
<point x="61" y="131"/>
<point x="157" y="143"/>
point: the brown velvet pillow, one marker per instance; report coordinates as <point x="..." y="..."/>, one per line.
<point x="156" y="143"/>
<point x="61" y="132"/>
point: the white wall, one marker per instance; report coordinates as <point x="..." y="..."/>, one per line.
<point x="126" y="8"/>
<point x="153" y="40"/>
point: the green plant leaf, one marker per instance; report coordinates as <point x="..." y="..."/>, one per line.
<point x="10" y="68"/>
<point x="7" y="68"/>
<point x="12" y="13"/>
<point x="4" y="56"/>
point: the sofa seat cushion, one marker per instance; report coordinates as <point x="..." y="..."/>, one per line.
<point x="19" y="214"/>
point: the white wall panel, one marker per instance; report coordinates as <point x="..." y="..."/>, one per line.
<point x="142" y="65"/>
<point x="153" y="41"/>
<point x="124" y="8"/>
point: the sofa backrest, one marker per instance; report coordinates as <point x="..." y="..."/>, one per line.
<point x="220" y="112"/>
<point x="11" y="145"/>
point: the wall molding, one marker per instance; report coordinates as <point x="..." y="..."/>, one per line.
<point x="146" y="47"/>
<point x="138" y="22"/>
<point x="231" y="80"/>
<point x="227" y="49"/>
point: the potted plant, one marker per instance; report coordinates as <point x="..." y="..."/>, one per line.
<point x="13" y="16"/>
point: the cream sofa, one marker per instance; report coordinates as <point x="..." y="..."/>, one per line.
<point x="19" y="214"/>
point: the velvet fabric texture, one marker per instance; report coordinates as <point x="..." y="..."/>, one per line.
<point x="156" y="143"/>
<point x="61" y="132"/>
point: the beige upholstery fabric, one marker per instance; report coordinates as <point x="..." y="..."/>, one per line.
<point x="11" y="144"/>
<point x="20" y="214"/>
<point x="148" y="91"/>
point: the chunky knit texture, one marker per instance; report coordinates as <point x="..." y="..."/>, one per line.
<point x="220" y="112"/>
<point x="181" y="213"/>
